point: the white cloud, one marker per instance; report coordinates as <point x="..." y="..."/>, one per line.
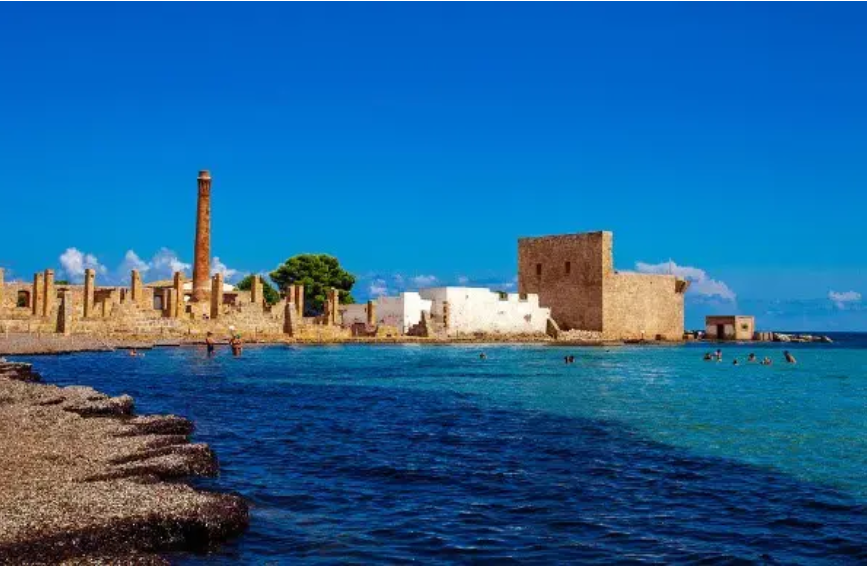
<point x="378" y="288"/>
<point x="841" y="300"/>
<point x="218" y="266"/>
<point x="132" y="261"/>
<point x="73" y="263"/>
<point x="423" y="280"/>
<point x="463" y="279"/>
<point x="700" y="283"/>
<point x="164" y="264"/>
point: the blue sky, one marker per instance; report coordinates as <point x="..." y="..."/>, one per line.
<point x="420" y="140"/>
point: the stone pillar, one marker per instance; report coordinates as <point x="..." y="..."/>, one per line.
<point x="216" y="296"/>
<point x="202" y="252"/>
<point x="89" y="280"/>
<point x="371" y="313"/>
<point x="335" y="307"/>
<point x="37" y="295"/>
<point x="136" y="288"/>
<point x="299" y="300"/>
<point x="64" y="313"/>
<point x="170" y="303"/>
<point x="257" y="291"/>
<point x="178" y="287"/>
<point x="289" y="319"/>
<point x="49" y="293"/>
<point x="446" y="315"/>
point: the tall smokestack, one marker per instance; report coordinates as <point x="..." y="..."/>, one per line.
<point x="202" y="258"/>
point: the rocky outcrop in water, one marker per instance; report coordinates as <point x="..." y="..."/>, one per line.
<point x="81" y="478"/>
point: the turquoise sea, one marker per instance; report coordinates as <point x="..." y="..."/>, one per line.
<point x="407" y="452"/>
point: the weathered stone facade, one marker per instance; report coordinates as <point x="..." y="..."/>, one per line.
<point x="574" y="275"/>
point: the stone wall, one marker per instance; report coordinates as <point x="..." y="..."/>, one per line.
<point x="574" y="276"/>
<point x="567" y="273"/>
<point x="642" y="306"/>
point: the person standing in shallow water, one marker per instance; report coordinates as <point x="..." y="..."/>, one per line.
<point x="237" y="345"/>
<point x="209" y="343"/>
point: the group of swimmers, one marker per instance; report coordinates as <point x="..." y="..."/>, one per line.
<point x="752" y="358"/>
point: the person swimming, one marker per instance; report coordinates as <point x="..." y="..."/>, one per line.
<point x="735" y="362"/>
<point x="708" y="356"/>
<point x="718" y="355"/>
<point x="766" y="361"/>
<point x="483" y="356"/>
<point x="571" y="359"/>
<point x="790" y="359"/>
<point x="751" y="358"/>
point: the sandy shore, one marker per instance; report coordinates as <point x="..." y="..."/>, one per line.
<point x="81" y="479"/>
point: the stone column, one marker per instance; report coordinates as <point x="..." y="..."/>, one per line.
<point x="136" y="288"/>
<point x="170" y="303"/>
<point x="37" y="295"/>
<point x="49" y="293"/>
<point x="89" y="280"/>
<point x="335" y="307"/>
<point x="178" y="287"/>
<point x="289" y="319"/>
<point x="216" y="296"/>
<point x="299" y="300"/>
<point x="256" y="291"/>
<point x="64" y="313"/>
<point x="202" y="253"/>
<point x="371" y="313"/>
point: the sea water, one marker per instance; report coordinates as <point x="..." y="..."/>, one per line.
<point x="365" y="454"/>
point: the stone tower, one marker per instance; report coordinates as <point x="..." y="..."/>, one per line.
<point x="202" y="256"/>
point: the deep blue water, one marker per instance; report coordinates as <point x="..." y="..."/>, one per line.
<point x="395" y="453"/>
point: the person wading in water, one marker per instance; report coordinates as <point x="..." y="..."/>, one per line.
<point x="237" y="345"/>
<point x="209" y="343"/>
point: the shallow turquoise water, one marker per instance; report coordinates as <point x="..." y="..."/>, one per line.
<point x="395" y="453"/>
<point x="807" y="419"/>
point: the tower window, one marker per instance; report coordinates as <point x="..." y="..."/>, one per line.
<point x="538" y="270"/>
<point x="568" y="267"/>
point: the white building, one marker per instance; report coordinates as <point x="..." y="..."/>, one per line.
<point x="476" y="309"/>
<point x="471" y="310"/>
<point x="403" y="312"/>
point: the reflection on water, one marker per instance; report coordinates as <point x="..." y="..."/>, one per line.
<point x="394" y="453"/>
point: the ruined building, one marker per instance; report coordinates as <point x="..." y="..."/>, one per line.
<point x="574" y="276"/>
<point x="173" y="308"/>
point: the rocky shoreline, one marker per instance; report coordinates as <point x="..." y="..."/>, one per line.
<point x="82" y="479"/>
